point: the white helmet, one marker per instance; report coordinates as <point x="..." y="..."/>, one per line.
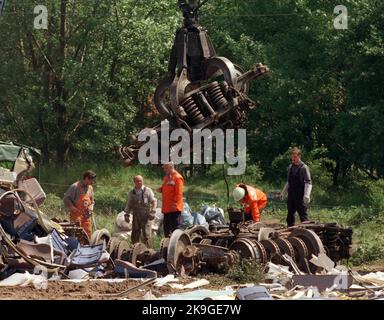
<point x="238" y="193"/>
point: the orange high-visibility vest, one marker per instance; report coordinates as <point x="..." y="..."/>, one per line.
<point x="254" y="201"/>
<point x="172" y="193"/>
<point x="82" y="203"/>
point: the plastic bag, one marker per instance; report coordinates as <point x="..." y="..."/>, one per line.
<point x="186" y="218"/>
<point x="213" y="215"/>
<point x="199" y="219"/>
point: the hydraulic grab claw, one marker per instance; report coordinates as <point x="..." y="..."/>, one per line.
<point x="202" y="90"/>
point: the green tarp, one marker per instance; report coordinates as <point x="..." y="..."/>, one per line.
<point x="10" y="151"/>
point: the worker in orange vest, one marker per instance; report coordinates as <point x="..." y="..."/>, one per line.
<point x="172" y="198"/>
<point x="79" y="201"/>
<point x="252" y="199"/>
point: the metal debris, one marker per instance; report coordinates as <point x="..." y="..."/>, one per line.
<point x="253" y="293"/>
<point x="193" y="95"/>
<point x="323" y="261"/>
<point x="216" y="249"/>
<point x="128" y="270"/>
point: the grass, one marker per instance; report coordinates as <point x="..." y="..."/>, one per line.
<point x="114" y="182"/>
<point x="247" y="271"/>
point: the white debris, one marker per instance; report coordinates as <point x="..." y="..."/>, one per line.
<point x="275" y="269"/>
<point x="78" y="274"/>
<point x="323" y="261"/>
<point x="162" y="281"/>
<point x="122" y="223"/>
<point x="149" y="296"/>
<point x="294" y="266"/>
<point x="298" y="295"/>
<point x="223" y="297"/>
<point x="23" y="280"/>
<point x="341" y="268"/>
<point x="192" y="285"/>
<point x="46" y="240"/>
<point x="279" y="274"/>
<point x="17" y="279"/>
<point x="201" y="294"/>
<point x="55" y="277"/>
<point x="104" y="257"/>
<point x="374" y="276"/>
<point x="236" y="287"/>
<point x="274" y="287"/>
<point x="313" y="292"/>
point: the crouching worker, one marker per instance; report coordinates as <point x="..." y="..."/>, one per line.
<point x="142" y="204"/>
<point x="80" y="202"/>
<point x="252" y="199"/>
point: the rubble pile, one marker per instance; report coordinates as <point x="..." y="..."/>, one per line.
<point x="301" y="260"/>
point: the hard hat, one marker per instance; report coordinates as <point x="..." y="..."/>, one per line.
<point x="238" y="193"/>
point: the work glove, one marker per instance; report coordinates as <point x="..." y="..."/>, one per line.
<point x="306" y="200"/>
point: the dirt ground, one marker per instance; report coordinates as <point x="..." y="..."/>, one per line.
<point x="87" y="290"/>
<point x="91" y="290"/>
<point x="103" y="290"/>
<point x="370" y="267"/>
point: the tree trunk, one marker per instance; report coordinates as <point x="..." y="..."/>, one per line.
<point x="336" y="173"/>
<point x="63" y="143"/>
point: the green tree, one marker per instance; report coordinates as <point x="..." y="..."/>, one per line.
<point x="76" y="88"/>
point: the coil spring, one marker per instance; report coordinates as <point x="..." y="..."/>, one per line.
<point x="192" y="110"/>
<point x="331" y="238"/>
<point x="217" y="97"/>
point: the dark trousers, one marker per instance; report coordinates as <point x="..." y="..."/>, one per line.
<point x="141" y="228"/>
<point x="296" y="204"/>
<point x="171" y="222"/>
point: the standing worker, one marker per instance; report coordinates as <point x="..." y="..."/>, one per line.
<point x="172" y="198"/>
<point x="80" y="202"/>
<point x="298" y="187"/>
<point x="142" y="204"/>
<point x="253" y="201"/>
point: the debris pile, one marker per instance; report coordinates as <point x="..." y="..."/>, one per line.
<point x="217" y="248"/>
<point x="301" y="260"/>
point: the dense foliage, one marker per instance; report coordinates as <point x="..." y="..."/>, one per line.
<point x="83" y="86"/>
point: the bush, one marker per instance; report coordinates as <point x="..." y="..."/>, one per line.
<point x="318" y="164"/>
<point x="247" y="270"/>
<point x="368" y="252"/>
<point x="54" y="207"/>
<point x="376" y="194"/>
